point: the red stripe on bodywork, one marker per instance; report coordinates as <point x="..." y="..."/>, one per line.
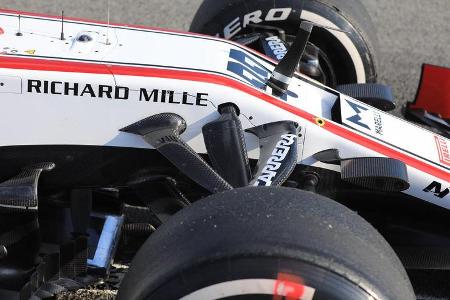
<point x="79" y="67"/>
<point x="52" y="65"/>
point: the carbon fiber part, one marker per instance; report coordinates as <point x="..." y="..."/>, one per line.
<point x="139" y="229"/>
<point x="329" y="156"/>
<point x="162" y="132"/>
<point x="379" y="173"/>
<point x="165" y="121"/>
<point x="20" y="192"/>
<point x="278" y="152"/>
<point x="18" y="233"/>
<point x="3" y="252"/>
<point x="431" y="257"/>
<point x="178" y="197"/>
<point x="139" y="214"/>
<point x="67" y="262"/>
<point x="224" y="140"/>
<point x="192" y="165"/>
<point x="56" y="272"/>
<point x="376" y="95"/>
<point x="80" y="256"/>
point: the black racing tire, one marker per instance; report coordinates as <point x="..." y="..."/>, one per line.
<point x="352" y="56"/>
<point x="280" y="238"/>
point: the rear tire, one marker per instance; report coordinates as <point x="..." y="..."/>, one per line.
<point x="352" y="56"/>
<point x="280" y="238"/>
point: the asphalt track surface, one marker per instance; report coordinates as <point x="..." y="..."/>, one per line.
<point x="410" y="33"/>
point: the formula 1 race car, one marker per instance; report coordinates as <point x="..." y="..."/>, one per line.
<point x="244" y="175"/>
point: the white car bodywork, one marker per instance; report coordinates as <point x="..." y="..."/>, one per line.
<point x="82" y="90"/>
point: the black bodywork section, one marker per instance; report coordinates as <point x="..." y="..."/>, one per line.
<point x="85" y="166"/>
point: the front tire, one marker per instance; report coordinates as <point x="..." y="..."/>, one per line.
<point x="264" y="243"/>
<point x="351" y="57"/>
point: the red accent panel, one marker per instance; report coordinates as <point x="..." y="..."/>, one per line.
<point x="64" y="66"/>
<point x="434" y="91"/>
<point x="1" y="31"/>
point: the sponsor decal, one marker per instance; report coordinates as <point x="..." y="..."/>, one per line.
<point x="255" y="17"/>
<point x="437" y="189"/>
<point x="275" y="162"/>
<point x="115" y="92"/>
<point x="77" y="89"/>
<point x="251" y="71"/>
<point x="363" y="117"/>
<point x="247" y="68"/>
<point x="443" y="150"/>
<point x="356" y="118"/>
<point x="166" y="96"/>
<point x="31" y="51"/>
<point x="277" y="47"/>
<point x="378" y="121"/>
<point x="288" y="286"/>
